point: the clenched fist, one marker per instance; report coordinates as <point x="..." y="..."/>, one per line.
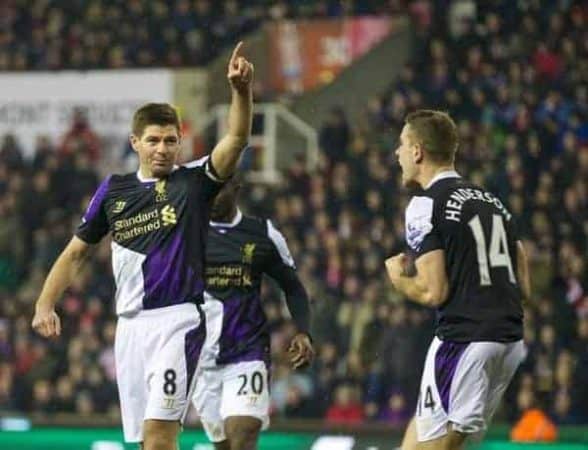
<point x="47" y="323"/>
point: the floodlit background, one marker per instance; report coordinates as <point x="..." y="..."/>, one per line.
<point x="334" y="80"/>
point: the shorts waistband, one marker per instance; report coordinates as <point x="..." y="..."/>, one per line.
<point x="164" y="310"/>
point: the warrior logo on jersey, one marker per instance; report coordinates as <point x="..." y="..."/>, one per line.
<point x="119" y="205"/>
<point x="160" y="193"/>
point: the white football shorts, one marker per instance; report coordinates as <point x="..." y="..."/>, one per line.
<point x="157" y="353"/>
<point x="239" y="389"/>
<point x="463" y="383"/>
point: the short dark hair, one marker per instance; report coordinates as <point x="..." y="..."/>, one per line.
<point x="154" y="114"/>
<point x="437" y="133"/>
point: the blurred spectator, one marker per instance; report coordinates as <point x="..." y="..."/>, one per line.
<point x="43" y="35"/>
<point x="396" y="412"/>
<point x="521" y="106"/>
<point x="80" y="139"/>
<point x="334" y="135"/>
<point x="347" y="407"/>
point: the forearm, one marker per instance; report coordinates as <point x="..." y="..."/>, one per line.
<point x="414" y="289"/>
<point x="59" y="279"/>
<point x="241" y="114"/>
<point x="296" y="297"/>
<point x="225" y="156"/>
<point x="299" y="307"/>
<point x="523" y="274"/>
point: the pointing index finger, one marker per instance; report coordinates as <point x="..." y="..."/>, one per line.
<point x="235" y="54"/>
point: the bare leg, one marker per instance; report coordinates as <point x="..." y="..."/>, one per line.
<point x="409" y="442"/>
<point x="161" y="434"/>
<point x="224" y="445"/>
<point x="242" y="432"/>
<point x="453" y="440"/>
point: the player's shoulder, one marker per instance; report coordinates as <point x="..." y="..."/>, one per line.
<point x="443" y="187"/>
<point x="119" y="182"/>
<point x="199" y="163"/>
<point x="264" y="229"/>
<point x="189" y="169"/>
<point x="123" y="178"/>
<point x="254" y="224"/>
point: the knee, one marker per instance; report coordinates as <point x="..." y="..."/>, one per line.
<point x="244" y="440"/>
<point x="244" y="436"/>
<point x="160" y="436"/>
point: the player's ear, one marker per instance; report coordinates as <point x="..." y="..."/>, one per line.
<point x="134" y="140"/>
<point x="418" y="153"/>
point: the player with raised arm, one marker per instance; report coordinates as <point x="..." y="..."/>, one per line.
<point x="158" y="219"/>
<point x="470" y="266"/>
<point x="232" y="395"/>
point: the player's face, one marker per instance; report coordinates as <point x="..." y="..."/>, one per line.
<point x="158" y="149"/>
<point x="407" y="154"/>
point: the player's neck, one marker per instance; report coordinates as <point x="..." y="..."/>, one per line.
<point x="146" y="173"/>
<point x="430" y="172"/>
<point x="227" y="218"/>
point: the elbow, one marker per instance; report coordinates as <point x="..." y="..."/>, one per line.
<point x="436" y="296"/>
<point x="239" y="140"/>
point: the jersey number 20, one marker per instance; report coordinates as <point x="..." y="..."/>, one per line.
<point x="497" y="255"/>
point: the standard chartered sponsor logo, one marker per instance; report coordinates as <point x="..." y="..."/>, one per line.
<point x="143" y="223"/>
<point x="137" y="231"/>
<point x="224" y="276"/>
<point x="168" y="215"/>
<point x="135" y="220"/>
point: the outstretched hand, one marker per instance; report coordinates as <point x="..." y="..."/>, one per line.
<point x="240" y="71"/>
<point x="301" y="351"/>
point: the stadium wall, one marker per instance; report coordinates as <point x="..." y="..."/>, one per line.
<point x="41" y="103"/>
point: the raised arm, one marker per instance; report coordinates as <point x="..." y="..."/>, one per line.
<point x="523" y="273"/>
<point x="46" y="321"/>
<point x="227" y="152"/>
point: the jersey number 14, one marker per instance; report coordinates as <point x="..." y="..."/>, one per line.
<point x="495" y="256"/>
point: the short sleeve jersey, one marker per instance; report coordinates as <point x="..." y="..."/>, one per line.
<point x="237" y="257"/>
<point x="158" y="230"/>
<point x="479" y="238"/>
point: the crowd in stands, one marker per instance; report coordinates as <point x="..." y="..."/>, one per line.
<point x="515" y="80"/>
<point x="81" y="35"/>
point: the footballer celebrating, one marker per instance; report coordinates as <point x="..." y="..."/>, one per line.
<point x="471" y="267"/>
<point x="158" y="221"/>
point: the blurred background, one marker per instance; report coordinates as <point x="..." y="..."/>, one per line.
<point x="334" y="80"/>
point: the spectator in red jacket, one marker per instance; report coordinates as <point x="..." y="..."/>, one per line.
<point x="80" y="138"/>
<point x="347" y="407"/>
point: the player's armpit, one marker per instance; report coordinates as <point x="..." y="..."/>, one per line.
<point x="523" y="276"/>
<point x="226" y="154"/>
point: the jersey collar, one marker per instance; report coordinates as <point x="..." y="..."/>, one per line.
<point x="231" y="224"/>
<point x="443" y="175"/>
<point x="142" y="179"/>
